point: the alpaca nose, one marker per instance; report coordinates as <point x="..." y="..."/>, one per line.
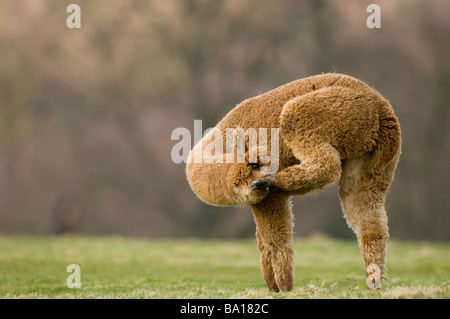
<point x="260" y="184"/>
<point x="263" y="185"/>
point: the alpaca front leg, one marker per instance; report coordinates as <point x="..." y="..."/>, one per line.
<point x="266" y="264"/>
<point x="283" y="266"/>
<point x="274" y="220"/>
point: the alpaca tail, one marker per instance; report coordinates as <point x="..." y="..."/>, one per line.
<point x="388" y="147"/>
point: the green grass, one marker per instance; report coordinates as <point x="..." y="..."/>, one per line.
<point x="112" y="267"/>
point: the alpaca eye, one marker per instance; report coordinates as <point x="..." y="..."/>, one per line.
<point x="255" y="166"/>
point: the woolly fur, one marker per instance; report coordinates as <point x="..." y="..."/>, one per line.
<point x="332" y="127"/>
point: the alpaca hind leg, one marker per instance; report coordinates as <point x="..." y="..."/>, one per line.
<point x="362" y="193"/>
<point x="320" y="166"/>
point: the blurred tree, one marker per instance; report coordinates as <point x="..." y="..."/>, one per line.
<point x="86" y="115"/>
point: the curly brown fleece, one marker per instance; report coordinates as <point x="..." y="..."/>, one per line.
<point x="332" y="127"/>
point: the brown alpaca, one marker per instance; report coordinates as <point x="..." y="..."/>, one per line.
<point x="331" y="127"/>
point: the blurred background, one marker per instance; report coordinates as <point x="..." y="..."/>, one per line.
<point x="86" y="115"/>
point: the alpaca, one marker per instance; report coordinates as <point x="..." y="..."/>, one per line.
<point x="332" y="127"/>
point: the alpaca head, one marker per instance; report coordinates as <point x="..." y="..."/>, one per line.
<point x="224" y="179"/>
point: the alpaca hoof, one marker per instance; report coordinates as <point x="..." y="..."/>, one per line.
<point x="373" y="277"/>
<point x="286" y="288"/>
<point x="273" y="289"/>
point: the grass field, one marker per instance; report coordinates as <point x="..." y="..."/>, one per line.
<point x="113" y="267"/>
